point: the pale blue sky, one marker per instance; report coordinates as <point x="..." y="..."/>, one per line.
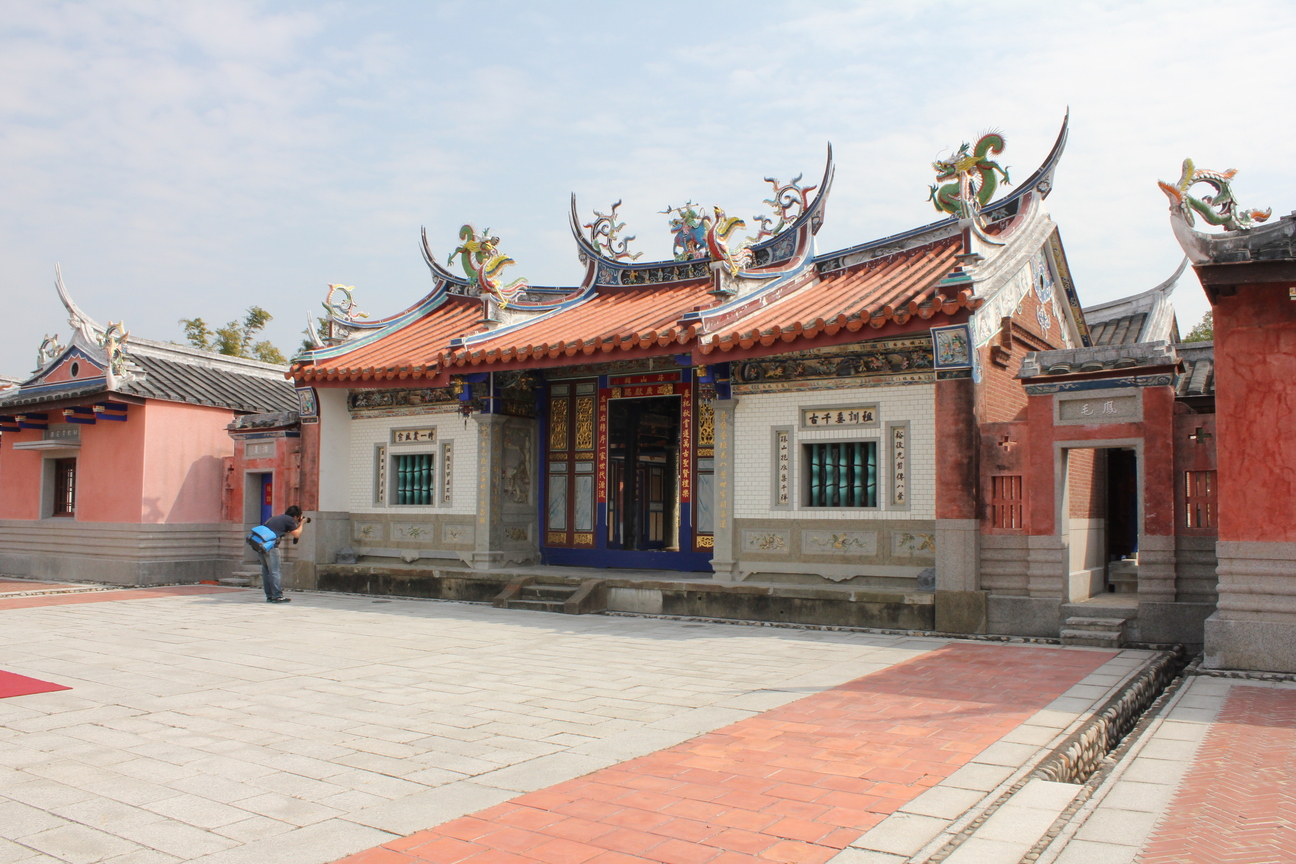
<point x="193" y="158"/>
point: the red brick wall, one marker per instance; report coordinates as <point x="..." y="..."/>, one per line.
<point x="1001" y="397"/>
<point x="1085" y="485"/>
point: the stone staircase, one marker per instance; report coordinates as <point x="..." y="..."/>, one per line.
<point x="244" y="576"/>
<point x="1093" y="632"/>
<point x="1123" y="575"/>
<point x="567" y="596"/>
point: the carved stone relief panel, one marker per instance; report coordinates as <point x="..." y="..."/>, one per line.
<point x="766" y="541"/>
<point x="515" y="479"/>
<point x="913" y="544"/>
<point x="859" y="543"/>
<point x="454" y="532"/>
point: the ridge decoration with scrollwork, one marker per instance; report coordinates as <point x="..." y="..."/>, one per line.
<point x="603" y="234"/>
<point x="1219" y="208"/>
<point x="908" y="357"/>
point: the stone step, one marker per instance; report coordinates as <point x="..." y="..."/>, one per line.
<point x="548" y="592"/>
<point x="1083" y="623"/>
<point x="1091" y="638"/>
<point x="536" y="605"/>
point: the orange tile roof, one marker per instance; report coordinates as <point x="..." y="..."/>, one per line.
<point x="412" y="351"/>
<point x="641" y="319"/>
<point x="644" y="320"/>
<point x="894" y="288"/>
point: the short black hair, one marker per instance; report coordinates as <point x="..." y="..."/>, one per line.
<point x="293" y="511"/>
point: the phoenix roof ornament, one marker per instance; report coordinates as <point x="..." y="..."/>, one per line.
<point x="483" y="263"/>
<point x="718" y="234"/>
<point x="1217" y="209"/>
<point x="975" y="176"/>
<point x="340" y="303"/>
<point x="603" y="233"/>
<point x="49" y="350"/>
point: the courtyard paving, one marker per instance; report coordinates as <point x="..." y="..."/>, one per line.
<point x="206" y="725"/>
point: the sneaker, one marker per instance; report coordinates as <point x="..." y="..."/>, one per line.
<point x="280" y="600"/>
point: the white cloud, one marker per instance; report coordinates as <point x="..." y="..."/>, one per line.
<point x="185" y="159"/>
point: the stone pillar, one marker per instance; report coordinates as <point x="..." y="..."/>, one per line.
<point x="488" y="535"/>
<point x="724" y="559"/>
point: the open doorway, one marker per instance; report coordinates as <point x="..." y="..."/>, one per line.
<point x="644" y="473"/>
<point x="1102" y="521"/>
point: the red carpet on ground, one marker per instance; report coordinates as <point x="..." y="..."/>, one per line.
<point x="20" y="685"/>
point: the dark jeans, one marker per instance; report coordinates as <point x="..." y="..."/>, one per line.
<point x="270" y="576"/>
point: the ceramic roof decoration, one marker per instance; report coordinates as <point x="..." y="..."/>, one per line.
<point x="974" y="176"/>
<point x="604" y="233"/>
<point x="1217" y="209"/>
<point x="99" y="361"/>
<point x="722" y="298"/>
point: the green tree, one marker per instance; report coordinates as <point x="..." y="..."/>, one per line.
<point x="235" y="339"/>
<point x="1204" y="330"/>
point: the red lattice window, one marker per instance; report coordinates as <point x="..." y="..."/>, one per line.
<point x="1200" y="499"/>
<point x="1006" y="501"/>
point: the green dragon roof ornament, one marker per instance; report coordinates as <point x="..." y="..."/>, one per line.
<point x="975" y="176"/>
<point x="1218" y="209"/>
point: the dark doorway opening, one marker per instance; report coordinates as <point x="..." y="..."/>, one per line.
<point x="643" y="468"/>
<point x="1122" y="505"/>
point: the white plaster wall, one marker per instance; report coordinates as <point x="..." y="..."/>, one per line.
<point x="335" y="449"/>
<point x="758" y="413"/>
<point x="368" y="432"/>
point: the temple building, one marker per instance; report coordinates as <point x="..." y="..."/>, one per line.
<point x="115" y="458"/>
<point x="865" y="419"/>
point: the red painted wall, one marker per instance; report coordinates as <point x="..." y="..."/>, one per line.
<point x="183" y="478"/>
<point x="110" y="469"/>
<point x="1255" y="405"/>
<point x="1193" y="455"/>
<point x="956" y="450"/>
<point x="20" y="477"/>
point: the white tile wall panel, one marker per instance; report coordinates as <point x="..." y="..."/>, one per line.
<point x="368" y="432"/>
<point x="758" y="413"/>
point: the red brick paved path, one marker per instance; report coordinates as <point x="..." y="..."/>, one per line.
<point x="1237" y="803"/>
<point x="795" y="784"/>
<point x="108" y="596"/>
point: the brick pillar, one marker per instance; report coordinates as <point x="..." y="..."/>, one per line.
<point x="1156" y="571"/>
<point x="960" y="606"/>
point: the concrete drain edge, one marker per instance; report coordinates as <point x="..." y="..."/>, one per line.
<point x="1088" y="755"/>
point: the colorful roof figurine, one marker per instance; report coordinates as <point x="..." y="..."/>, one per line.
<point x="1244" y="237"/>
<point x="722" y="295"/>
<point x="109" y="360"/>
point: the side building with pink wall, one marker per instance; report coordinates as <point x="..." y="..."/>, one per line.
<point x="114" y="455"/>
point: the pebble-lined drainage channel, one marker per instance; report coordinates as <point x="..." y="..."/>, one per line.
<point x="1089" y="754"/>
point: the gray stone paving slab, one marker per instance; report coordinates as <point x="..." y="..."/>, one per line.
<point x="901" y="834"/>
<point x="945" y="802"/>
<point x="220" y="729"/>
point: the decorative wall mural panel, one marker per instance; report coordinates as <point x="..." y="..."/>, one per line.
<point x="515" y="481"/>
<point x="413" y="531"/>
<point x="882" y="357"/>
<point x="857" y="543"/>
<point x="907" y="544"/>
<point x="457" y="533"/>
<point x="368" y="532"/>
<point x="766" y="541"/>
<point x="952" y="347"/>
<point x="382" y="403"/>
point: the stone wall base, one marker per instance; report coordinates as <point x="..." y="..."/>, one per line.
<point x="1024" y="616"/>
<point x="1168" y="623"/>
<point x="118" y="553"/>
<point x="1260" y="646"/>
<point x="960" y="611"/>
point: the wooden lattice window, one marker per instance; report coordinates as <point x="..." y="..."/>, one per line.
<point x="1006" y="501"/>
<point x="1200" y="499"/>
<point x="65" y="487"/>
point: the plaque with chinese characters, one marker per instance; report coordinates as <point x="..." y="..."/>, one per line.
<point x="413" y="436"/>
<point x="853" y="416"/>
<point x="1098" y="408"/>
